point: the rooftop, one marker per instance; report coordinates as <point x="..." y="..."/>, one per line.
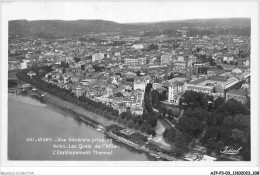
<point x="218" y="78"/>
<point x="237" y="92"/>
<point x="198" y="81"/>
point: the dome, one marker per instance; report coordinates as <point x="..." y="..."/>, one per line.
<point x="237" y="71"/>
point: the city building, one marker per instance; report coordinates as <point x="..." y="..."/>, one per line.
<point x="141" y="61"/>
<point x="137" y="97"/>
<point x="175" y="89"/>
<point x="166" y="59"/>
<point x="239" y="95"/>
<point x="180" y="65"/>
<point x="216" y="84"/>
<point x="131" y="61"/>
<point x="78" y="91"/>
<point x="31" y="73"/>
<point x="138" y="46"/>
<point x="98" y="57"/>
<point x="190" y="71"/>
<point x="139" y="85"/>
<point x="23" y="65"/>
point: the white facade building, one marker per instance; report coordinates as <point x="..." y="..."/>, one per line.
<point x="175" y="89"/>
<point x="97" y="57"/>
<point x="138" y="46"/>
<point x="23" y="65"/>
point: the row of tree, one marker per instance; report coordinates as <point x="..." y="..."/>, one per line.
<point x="148" y="98"/>
<point x="191" y="99"/>
<point x="144" y="123"/>
<point x="67" y="95"/>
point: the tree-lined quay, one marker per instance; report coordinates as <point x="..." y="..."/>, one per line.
<point x="114" y="123"/>
<point x="212" y="125"/>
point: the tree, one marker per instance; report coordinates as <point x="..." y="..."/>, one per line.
<point x="163" y="110"/>
<point x="162" y="96"/>
<point x="145" y="116"/>
<point x="130" y="124"/>
<point x="239" y="136"/>
<point x="233" y="107"/>
<point x="191" y="126"/>
<point x="169" y="134"/>
<point x="211" y="143"/>
<point x="219" y="101"/>
<point x="242" y="121"/>
<point x="49" y="77"/>
<point x="219" y="67"/>
<point x="136" y="126"/>
<point x="214" y="90"/>
<point x="115" y="112"/>
<point x="136" y="118"/>
<point x="148" y="88"/>
<point x="153" y="115"/>
<point x="143" y="127"/>
<point x="151" y="121"/>
<point x="76" y="59"/>
<point x="151" y="131"/>
<point x="193" y="99"/>
<point x="218" y="118"/>
<point x="170" y="114"/>
<point x="118" y="94"/>
<point x="246" y="155"/>
<point x="181" y="140"/>
<point x="225" y="134"/>
<point x="153" y="47"/>
<point x="211" y="61"/>
<point x="219" y="146"/>
<point x="203" y="70"/>
<point x="176" y="112"/>
<point x="155" y="98"/>
<point x="199" y="113"/>
<point x="125" y="121"/>
<point x="211" y="132"/>
<point x="228" y="120"/>
<point x="147" y="98"/>
<point x="138" y="73"/>
<point x="120" y="120"/>
<point x="248" y="102"/>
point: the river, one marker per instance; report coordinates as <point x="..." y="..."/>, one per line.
<point x="31" y="120"/>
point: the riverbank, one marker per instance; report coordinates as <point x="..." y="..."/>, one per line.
<point x="97" y="121"/>
<point x="77" y="110"/>
<point x="143" y="148"/>
<point x="26" y="118"/>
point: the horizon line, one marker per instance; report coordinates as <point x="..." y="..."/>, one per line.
<point x="176" y="20"/>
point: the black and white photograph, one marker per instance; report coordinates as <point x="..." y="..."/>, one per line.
<point x="130" y="83"/>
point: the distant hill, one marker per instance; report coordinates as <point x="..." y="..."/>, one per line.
<point x="55" y="28"/>
<point x="59" y="27"/>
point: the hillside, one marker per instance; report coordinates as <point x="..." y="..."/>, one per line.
<point x="56" y="28"/>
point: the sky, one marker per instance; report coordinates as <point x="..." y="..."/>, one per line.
<point x="125" y="12"/>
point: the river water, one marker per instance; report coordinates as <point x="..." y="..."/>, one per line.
<point x="31" y="120"/>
